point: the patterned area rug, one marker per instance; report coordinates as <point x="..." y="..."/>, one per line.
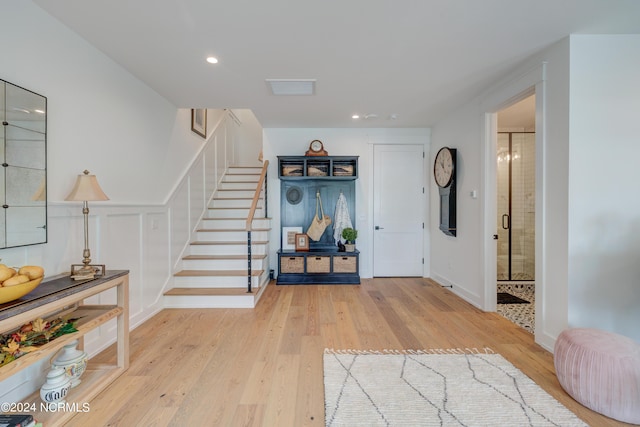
<point x="424" y="388"/>
<point x="507" y="298"/>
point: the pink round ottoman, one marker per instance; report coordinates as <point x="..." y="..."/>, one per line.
<point x="601" y="370"/>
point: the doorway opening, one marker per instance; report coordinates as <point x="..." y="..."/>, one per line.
<point x="516" y="183"/>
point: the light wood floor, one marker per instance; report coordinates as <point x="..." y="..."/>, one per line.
<point x="263" y="366"/>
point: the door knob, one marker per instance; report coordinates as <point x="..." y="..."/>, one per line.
<point x="377" y="227"/>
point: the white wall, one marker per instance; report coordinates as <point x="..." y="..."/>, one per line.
<point x="337" y="142"/>
<point x="100" y="117"/>
<point x="604" y="206"/>
<point x="157" y="173"/>
<point x="465" y="262"/>
<point x="580" y="111"/>
<point x="249" y="138"/>
<point x="455" y="261"/>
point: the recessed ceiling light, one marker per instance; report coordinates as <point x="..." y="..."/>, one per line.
<point x="212" y="60"/>
<point x="355" y="116"/>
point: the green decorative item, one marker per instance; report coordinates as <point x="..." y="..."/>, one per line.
<point x="350" y="235"/>
<point x="31" y="336"/>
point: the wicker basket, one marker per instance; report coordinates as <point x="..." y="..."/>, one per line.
<point x="291" y="170"/>
<point x="292" y="264"/>
<point x="318" y="169"/>
<point x="343" y="169"/>
<point x="318" y="264"/>
<point x="344" y="264"/>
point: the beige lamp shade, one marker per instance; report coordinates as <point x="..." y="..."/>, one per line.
<point x="86" y="189"/>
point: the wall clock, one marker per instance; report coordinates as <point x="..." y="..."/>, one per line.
<point x="316" y="148"/>
<point x="444" y="173"/>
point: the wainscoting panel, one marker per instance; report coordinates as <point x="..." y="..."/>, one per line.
<point x="179" y="226"/>
<point x="210" y="176"/>
<point x="197" y="198"/>
<point x="156" y="263"/>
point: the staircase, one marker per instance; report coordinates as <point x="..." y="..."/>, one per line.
<point x="214" y="273"/>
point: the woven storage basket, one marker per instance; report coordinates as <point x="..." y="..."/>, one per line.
<point x="344" y="264"/>
<point x="291" y="170"/>
<point x="292" y="264"/>
<point x="318" y="264"/>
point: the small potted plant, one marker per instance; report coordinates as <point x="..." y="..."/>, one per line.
<point x="350" y="235"/>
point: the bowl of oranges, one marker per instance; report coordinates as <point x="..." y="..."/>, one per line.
<point x="17" y="282"/>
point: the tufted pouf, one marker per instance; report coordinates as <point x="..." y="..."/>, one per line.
<point x="601" y="370"/>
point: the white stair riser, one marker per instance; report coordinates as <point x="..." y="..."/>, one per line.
<point x="241" y="177"/>
<point x="215" y="281"/>
<point x="220" y="264"/>
<point x="251" y="170"/>
<point x="238" y="185"/>
<point x="230" y="236"/>
<point x="230" y="212"/>
<point x="233" y="223"/>
<point x="235" y="249"/>
<point x="205" y="301"/>
<point x="233" y="203"/>
<point x="235" y="194"/>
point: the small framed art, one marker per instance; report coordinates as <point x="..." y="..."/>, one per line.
<point x="302" y="242"/>
<point x="289" y="237"/>
<point x="199" y="121"/>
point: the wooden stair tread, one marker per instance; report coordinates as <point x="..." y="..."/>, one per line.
<point x="216" y="273"/>
<point x="236" y="198"/>
<point x="210" y="291"/>
<point x="232" y="219"/>
<point x="242" y="173"/>
<point x="226" y="207"/>
<point x="223" y="257"/>
<point x="232" y="242"/>
<point x="229" y="230"/>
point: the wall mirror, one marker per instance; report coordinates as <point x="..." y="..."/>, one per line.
<point x="23" y="178"/>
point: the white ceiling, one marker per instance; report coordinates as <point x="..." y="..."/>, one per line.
<point x="414" y="58"/>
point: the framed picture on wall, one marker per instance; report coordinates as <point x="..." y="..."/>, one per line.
<point x="289" y="237"/>
<point x="302" y="242"/>
<point x="199" y="121"/>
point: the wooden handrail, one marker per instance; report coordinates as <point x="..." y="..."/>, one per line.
<point x="256" y="196"/>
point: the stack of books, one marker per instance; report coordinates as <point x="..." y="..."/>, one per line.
<point x="17" y="420"/>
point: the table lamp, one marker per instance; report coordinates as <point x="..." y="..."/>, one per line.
<point x="86" y="189"/>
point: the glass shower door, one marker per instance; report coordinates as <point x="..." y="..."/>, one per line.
<point x="516" y="206"/>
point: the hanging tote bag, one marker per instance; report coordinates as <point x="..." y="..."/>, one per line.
<point x="319" y="222"/>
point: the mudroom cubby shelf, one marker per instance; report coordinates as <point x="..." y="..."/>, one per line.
<point x="318" y="167"/>
<point x="301" y="179"/>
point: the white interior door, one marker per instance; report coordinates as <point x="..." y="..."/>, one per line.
<point x="398" y="210"/>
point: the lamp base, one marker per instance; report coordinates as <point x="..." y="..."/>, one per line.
<point x="86" y="271"/>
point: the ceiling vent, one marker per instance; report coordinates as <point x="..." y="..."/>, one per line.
<point x="286" y="87"/>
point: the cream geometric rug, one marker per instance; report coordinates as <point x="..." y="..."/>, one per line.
<point x="468" y="387"/>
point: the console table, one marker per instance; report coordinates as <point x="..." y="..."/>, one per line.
<point x="63" y="297"/>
